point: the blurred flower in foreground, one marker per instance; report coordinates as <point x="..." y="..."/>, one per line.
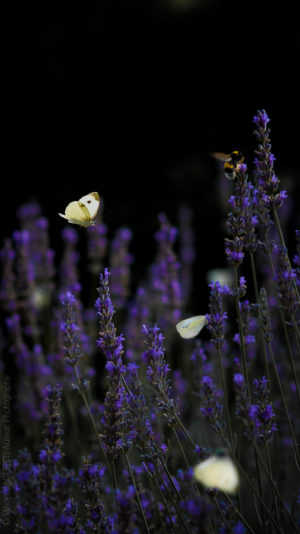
<point x="219" y="472"/>
<point x="223" y="276"/>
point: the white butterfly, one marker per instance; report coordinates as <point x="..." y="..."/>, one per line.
<point x="218" y="471"/>
<point x="83" y="211"/>
<point x="189" y="328"/>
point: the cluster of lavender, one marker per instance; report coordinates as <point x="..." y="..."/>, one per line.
<point x="111" y="412"/>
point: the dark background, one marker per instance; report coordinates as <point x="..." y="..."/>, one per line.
<point x="129" y="97"/>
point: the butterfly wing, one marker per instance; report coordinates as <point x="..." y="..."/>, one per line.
<point x="221" y="157"/>
<point x="228" y="475"/>
<point x="77" y="213"/>
<point x="191" y="327"/>
<point x="216" y="472"/>
<point x="91" y="202"/>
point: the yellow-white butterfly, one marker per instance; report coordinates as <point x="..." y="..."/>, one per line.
<point x="82" y="211"/>
<point x="189" y="328"/>
<point x="218" y="471"/>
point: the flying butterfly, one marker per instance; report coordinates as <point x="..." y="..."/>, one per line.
<point x="218" y="471"/>
<point x="231" y="162"/>
<point x="83" y="211"/>
<point x="191" y="327"/>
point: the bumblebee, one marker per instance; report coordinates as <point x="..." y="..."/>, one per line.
<point x="231" y="162"/>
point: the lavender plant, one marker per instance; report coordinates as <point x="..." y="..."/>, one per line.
<point x="107" y="428"/>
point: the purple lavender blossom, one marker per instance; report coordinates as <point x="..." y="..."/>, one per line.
<point x="250" y="221"/>
<point x="216" y="317"/>
<point x="157" y="372"/>
<point x="141" y="429"/>
<point x="27" y="213"/>
<point x="70" y="329"/>
<point x="258" y="419"/>
<point x="51" y="452"/>
<point x="42" y="256"/>
<point x="187" y="253"/>
<point x="57" y="507"/>
<point x="26" y="489"/>
<point x="115" y="413"/>
<point x="264" y="316"/>
<point x="248" y="328"/>
<point x="231" y="523"/>
<point x="211" y="408"/>
<point x="200" y="366"/>
<point x="165" y="274"/>
<point x="42" y="492"/>
<point x="285" y="278"/>
<point x="264" y="163"/>
<point x="236" y="220"/>
<point x="120" y="261"/>
<point x="90" y="482"/>
<point x="297" y="257"/>
<point x="68" y="268"/>
<point x="138" y="314"/>
<point x="242" y="403"/>
<point x="109" y="342"/>
<point x="96" y="244"/>
<point x="34" y="371"/>
<point x="25" y="278"/>
<point x="261" y="413"/>
<point x="8" y="297"/>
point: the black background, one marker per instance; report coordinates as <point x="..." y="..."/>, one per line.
<point x="129" y="97"/>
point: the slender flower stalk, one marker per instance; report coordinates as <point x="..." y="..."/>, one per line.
<point x="266" y="179"/>
<point x="90" y="482"/>
<point x="264" y="163"/>
<point x="238" y="219"/>
<point x="8" y="297"/>
<point x="73" y="355"/>
<point x="216" y="324"/>
<point x="114" y="422"/>
<point x="69" y="276"/>
<point x="120" y="261"/>
<point x="265" y="325"/>
<point x="165" y="275"/>
<point x="157" y="372"/>
<point x="187" y="252"/>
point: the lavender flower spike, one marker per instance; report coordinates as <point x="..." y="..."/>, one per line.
<point x="216" y="317"/>
<point x="236" y="220"/>
<point x="157" y="373"/>
<point x="70" y="329"/>
<point x="262" y="413"/>
<point x="264" y="162"/>
<point x="115" y="416"/>
<point x="110" y="343"/>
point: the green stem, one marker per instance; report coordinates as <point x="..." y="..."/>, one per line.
<point x="257" y="299"/>
<point x="254" y="278"/>
<point x="296" y="328"/>
<point x="275" y="488"/>
<point x="270" y="471"/>
<point x="260" y="489"/>
<point x="137" y="493"/>
<point x="253" y="488"/>
<point x="74" y="422"/>
<point x="242" y="341"/>
<point x="156" y="485"/>
<point x="227" y="413"/>
<point x="91" y="418"/>
<point x="286" y="335"/>
<point x="239" y="514"/>
<point x="165" y="468"/>
<point x="296" y="446"/>
<point x="278" y="226"/>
